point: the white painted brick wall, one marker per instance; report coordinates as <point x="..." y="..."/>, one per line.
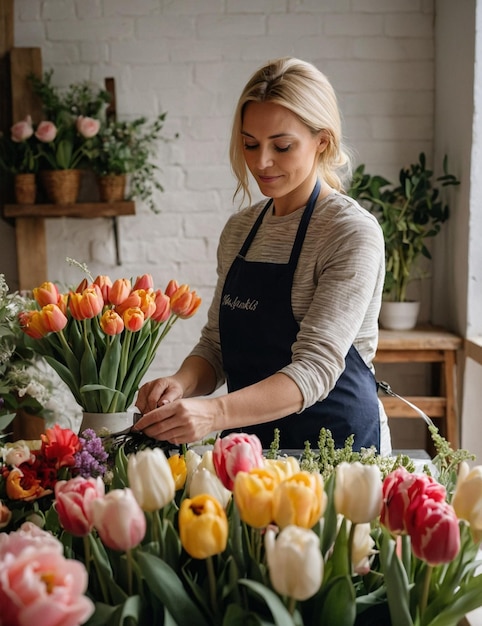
<point x="191" y="58"/>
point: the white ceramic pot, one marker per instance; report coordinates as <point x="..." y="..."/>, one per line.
<point x="103" y="423"/>
<point x="399" y="315"/>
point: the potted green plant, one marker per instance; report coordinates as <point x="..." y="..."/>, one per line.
<point x="408" y="213"/>
<point x="124" y="153"/>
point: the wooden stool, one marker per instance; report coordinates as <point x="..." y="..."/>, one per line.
<point x="425" y="345"/>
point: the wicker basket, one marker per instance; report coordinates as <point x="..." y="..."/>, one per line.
<point x="25" y="188"/>
<point x="61" y="186"/>
<point x="112" y="187"/>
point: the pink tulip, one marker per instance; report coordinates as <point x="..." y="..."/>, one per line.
<point x="235" y="453"/>
<point x="46" y="132"/>
<point x="163" y="307"/>
<point x="119" y="291"/>
<point x="53" y="320"/>
<point x="435" y="532"/>
<point x="47" y="293"/>
<point x="21" y="131"/>
<point x="119" y="520"/>
<point x="73" y="500"/>
<point x="40" y="586"/>
<point x="145" y="282"/>
<point x="111" y="323"/>
<point x="172" y="287"/>
<point x="88" y="127"/>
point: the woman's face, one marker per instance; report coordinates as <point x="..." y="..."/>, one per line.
<point x="281" y="153"/>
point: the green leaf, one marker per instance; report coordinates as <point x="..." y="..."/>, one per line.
<point x="278" y="610"/>
<point x="338" y="603"/>
<point x="166" y="585"/>
<point x="396" y="582"/>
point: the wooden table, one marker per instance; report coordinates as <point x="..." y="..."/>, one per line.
<point x="425" y="345"/>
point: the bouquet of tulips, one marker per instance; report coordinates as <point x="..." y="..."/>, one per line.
<point x="240" y="536"/>
<point x="102" y="337"/>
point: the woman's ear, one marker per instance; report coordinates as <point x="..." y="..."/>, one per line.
<point x="323" y="141"/>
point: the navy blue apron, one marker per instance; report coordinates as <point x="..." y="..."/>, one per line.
<point x="257" y="329"/>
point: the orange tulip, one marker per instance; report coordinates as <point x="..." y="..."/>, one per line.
<point x="47" y="293"/>
<point x="82" y="285"/>
<point x="111" y="322"/>
<point x="145" y="282"/>
<point x="172" y="287"/>
<point x="105" y="284"/>
<point x="87" y="304"/>
<point x="133" y="319"/>
<point x="119" y="291"/>
<point x="133" y="300"/>
<point x="184" y="303"/>
<point x="62" y="302"/>
<point x="52" y="318"/>
<point x="147" y="302"/>
<point x="31" y="324"/>
<point x="163" y="307"/>
<point x="22" y="486"/>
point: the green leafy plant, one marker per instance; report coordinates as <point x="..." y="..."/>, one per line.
<point x="408" y="213"/>
<point x="129" y="147"/>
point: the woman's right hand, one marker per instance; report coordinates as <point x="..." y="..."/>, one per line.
<point x="157" y="393"/>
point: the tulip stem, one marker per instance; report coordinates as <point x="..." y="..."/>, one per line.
<point x="129" y="571"/>
<point x="212" y="583"/>
<point x="291" y="605"/>
<point x="425" y="590"/>
<point x="87" y="553"/>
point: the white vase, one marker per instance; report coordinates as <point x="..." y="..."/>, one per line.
<point x="102" y="423"/>
<point x="399" y="315"/>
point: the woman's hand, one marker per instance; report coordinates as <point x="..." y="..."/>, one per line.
<point x="178" y="421"/>
<point x="157" y="393"/>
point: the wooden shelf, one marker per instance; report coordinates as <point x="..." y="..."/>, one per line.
<point x="85" y="210"/>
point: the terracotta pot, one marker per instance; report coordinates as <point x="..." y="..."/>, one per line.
<point x="112" y="187"/>
<point x="25" y="188"/>
<point x="61" y="186"/>
<point x="27" y="425"/>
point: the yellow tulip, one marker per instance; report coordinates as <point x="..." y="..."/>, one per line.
<point x="253" y="493"/>
<point x="299" y="500"/>
<point x="178" y="467"/>
<point x="284" y="466"/>
<point x="203" y="526"/>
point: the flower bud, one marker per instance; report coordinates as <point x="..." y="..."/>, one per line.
<point x="21" y="131"/>
<point x="73" y="500"/>
<point x="205" y="482"/>
<point x="111" y="322"/>
<point x="87" y="304"/>
<point x="150" y="479"/>
<point x="203" y="526"/>
<point x="88" y="127"/>
<point x="171" y="288"/>
<point x="119" y="291"/>
<point x="295" y="562"/>
<point x="145" y="282"/>
<point x="467" y="500"/>
<point x="435" y="533"/>
<point x="104" y="283"/>
<point x="31" y="324"/>
<point x="163" y="307"/>
<point x="178" y="467"/>
<point x="53" y="320"/>
<point x="133" y="319"/>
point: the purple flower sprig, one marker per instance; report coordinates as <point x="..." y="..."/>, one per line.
<point x="91" y="460"/>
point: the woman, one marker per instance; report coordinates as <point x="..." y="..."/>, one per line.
<point x="292" y="328"/>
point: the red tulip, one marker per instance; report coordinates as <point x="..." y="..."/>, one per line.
<point x="111" y="322"/>
<point x="60" y="445"/>
<point x="53" y="320"/>
<point x="435" y="532"/>
<point x="47" y="293"/>
<point x="133" y="319"/>
<point x="235" y="453"/>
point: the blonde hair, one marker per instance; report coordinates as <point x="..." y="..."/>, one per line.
<point x="300" y="87"/>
